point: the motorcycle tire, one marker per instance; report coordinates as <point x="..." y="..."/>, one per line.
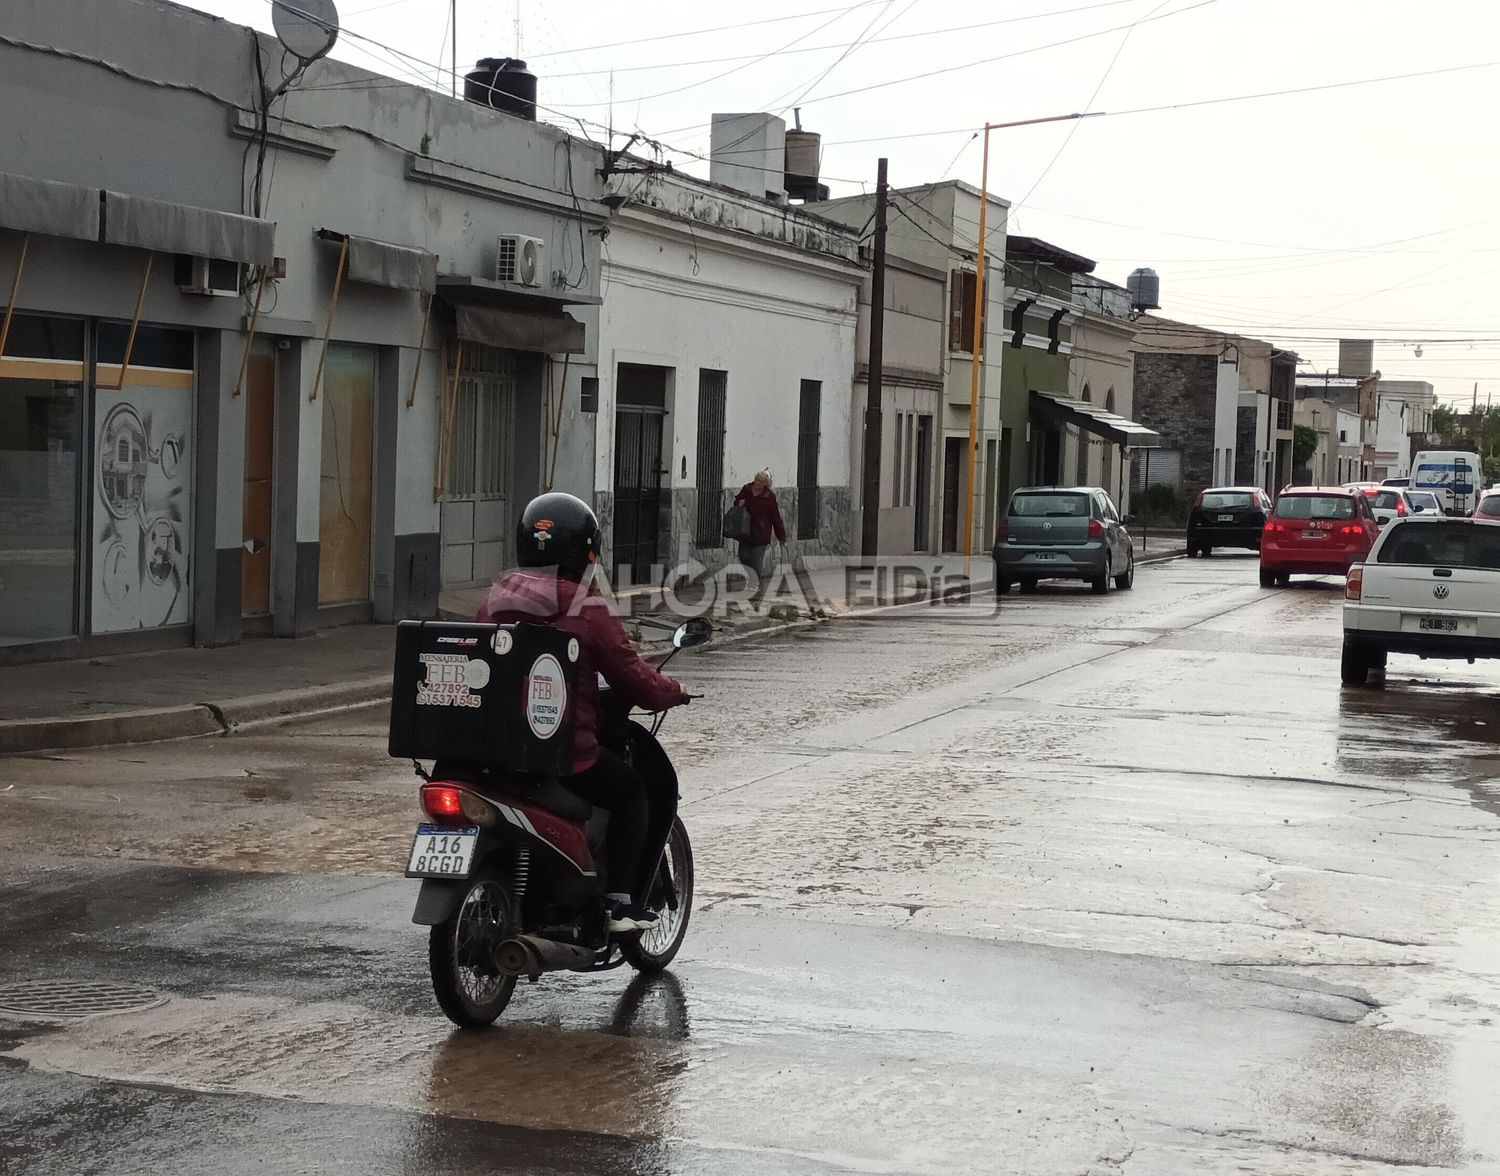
<point x="653" y="950"/>
<point x="461" y="953"/>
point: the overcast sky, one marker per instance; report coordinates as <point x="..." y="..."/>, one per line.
<point x="1366" y="211"/>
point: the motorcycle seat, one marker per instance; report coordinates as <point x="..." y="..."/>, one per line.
<point x="547" y="793"/>
<point x="556" y="797"/>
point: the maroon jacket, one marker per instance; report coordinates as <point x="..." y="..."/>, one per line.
<point x="765" y="515"/>
<point x="538" y="597"/>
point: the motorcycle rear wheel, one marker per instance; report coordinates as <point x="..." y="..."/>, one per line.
<point x="461" y="953"/>
<point x="653" y="950"/>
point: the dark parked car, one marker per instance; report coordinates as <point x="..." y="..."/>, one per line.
<point x="1227" y="516"/>
<point x="1062" y="533"/>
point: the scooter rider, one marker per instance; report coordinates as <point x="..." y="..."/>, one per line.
<point x="557" y="541"/>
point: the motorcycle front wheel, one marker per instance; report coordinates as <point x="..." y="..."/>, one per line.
<point x="461" y="954"/>
<point x="672" y="899"/>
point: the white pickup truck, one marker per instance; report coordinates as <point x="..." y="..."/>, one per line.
<point x="1430" y="587"/>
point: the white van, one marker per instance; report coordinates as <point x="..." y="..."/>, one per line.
<point x="1454" y="476"/>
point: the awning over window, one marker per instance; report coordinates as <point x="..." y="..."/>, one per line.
<point x="400" y="267"/>
<point x="1055" y="407"/>
<point x="45" y="206"/>
<point x="185" y="228"/>
<point x="520" y="330"/>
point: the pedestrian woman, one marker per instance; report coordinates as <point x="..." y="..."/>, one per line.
<point x="759" y="501"/>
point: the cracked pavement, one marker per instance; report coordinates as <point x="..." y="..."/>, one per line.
<point x="1119" y="885"/>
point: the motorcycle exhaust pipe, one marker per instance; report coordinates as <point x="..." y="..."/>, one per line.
<point x="531" y="955"/>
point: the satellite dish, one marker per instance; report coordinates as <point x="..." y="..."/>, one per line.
<point x="308" y="28"/>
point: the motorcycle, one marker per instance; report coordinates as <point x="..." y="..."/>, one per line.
<point x="511" y="868"/>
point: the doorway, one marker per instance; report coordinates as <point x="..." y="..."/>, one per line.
<point x="348" y="465"/>
<point x="260" y="450"/>
<point x="953" y="464"/>
<point x="922" y="532"/>
<point x="640" y="416"/>
<point x="477" y="514"/>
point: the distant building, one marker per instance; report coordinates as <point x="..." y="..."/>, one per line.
<point x="1222" y="404"/>
<point x="1405" y="414"/>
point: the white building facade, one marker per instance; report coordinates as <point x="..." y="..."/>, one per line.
<point x="726" y="347"/>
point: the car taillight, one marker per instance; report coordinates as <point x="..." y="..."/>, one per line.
<point x="1096" y="529"/>
<point x="1355" y="584"/>
<point x="1198" y="502"/>
<point x="1355" y="529"/>
<point x="1002" y="529"/>
<point x="1275" y="528"/>
<point x="442" y="803"/>
<point x="1400" y="506"/>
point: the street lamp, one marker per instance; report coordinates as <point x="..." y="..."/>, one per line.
<point x="979" y="300"/>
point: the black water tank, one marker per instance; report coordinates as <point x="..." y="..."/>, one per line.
<point x="503" y="83"/>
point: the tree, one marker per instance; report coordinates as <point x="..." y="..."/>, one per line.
<point x="1304" y="445"/>
<point x="1444" y="420"/>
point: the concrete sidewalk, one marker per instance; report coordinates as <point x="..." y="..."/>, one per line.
<point x="172" y="694"/>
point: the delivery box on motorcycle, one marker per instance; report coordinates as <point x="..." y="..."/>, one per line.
<point x="496" y="695"/>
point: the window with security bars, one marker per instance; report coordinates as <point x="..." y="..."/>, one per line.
<point x="809" y="422"/>
<point x="712" y="388"/>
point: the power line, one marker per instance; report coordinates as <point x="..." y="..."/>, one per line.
<point x="987" y="24"/>
<point x="716" y="29"/>
<point x="932" y="73"/>
<point x="1087" y="106"/>
<point x="737" y="69"/>
<point x="1425" y="73"/>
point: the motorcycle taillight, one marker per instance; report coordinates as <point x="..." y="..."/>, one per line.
<point x="442" y="802"/>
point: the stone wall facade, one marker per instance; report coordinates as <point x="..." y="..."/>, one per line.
<point x="1176" y="395"/>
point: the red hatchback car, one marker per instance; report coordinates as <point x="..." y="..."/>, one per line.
<point x="1316" y="531"/>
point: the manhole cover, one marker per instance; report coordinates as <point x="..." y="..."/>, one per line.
<point x="62" y="999"/>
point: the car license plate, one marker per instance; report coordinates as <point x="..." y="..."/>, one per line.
<point x="1226" y="518"/>
<point x="1460" y="626"/>
<point x="442" y="853"/>
<point x="1315" y="534"/>
<point x="1043" y="555"/>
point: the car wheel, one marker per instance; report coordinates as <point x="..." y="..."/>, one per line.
<point x="1207" y="551"/>
<point x="1126" y="579"/>
<point x="1100" y="583"/>
<point x="1354" y="665"/>
<point x="1284" y="579"/>
<point x="1002" y="585"/>
<point x="1267" y="579"/>
<point x="1028" y="584"/>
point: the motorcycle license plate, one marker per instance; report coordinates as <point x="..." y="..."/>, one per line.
<point x="442" y="853"/>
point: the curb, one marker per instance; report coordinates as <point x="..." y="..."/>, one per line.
<point x="132" y="726"/>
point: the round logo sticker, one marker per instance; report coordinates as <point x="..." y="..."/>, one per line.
<point x="546" y="697"/>
<point x="502" y="641"/>
<point x="477" y="673"/>
<point x="573" y="649"/>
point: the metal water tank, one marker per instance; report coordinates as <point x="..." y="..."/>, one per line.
<point x="1144" y="288"/>
<point x="503" y="83"/>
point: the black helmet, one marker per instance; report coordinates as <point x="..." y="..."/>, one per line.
<point x="557" y="530"/>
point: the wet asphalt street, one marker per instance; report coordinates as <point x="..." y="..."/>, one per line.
<point x="1118" y="885"/>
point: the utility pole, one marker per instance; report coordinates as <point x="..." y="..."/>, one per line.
<point x="453" y="22"/>
<point x="870" y="499"/>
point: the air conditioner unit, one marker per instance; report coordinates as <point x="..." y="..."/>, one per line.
<point x="518" y="260"/>
<point x="207" y="275"/>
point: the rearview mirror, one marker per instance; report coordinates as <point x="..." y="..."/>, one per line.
<point x="695" y="631"/>
<point x="1129" y="520"/>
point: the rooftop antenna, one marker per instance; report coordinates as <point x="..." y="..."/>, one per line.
<point x="518" y="28"/>
<point x="306" y="28"/>
<point x="453" y="23"/>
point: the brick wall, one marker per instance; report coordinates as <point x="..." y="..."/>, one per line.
<point x="1174" y="394"/>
